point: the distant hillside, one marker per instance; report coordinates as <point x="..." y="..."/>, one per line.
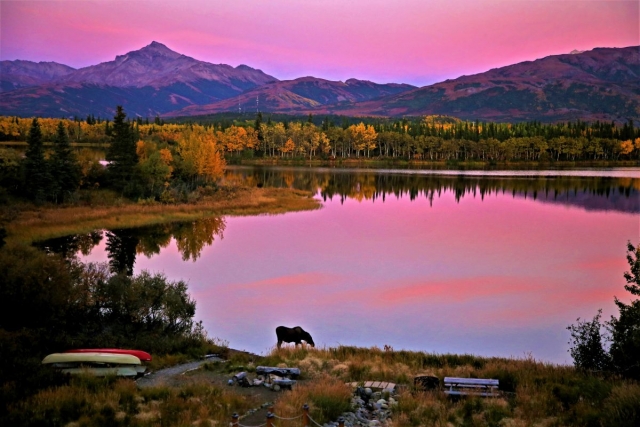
<point x="291" y="96"/>
<point x="18" y="74"/>
<point x="602" y="84"/>
<point x="149" y="81"/>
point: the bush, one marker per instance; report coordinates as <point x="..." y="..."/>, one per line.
<point x="48" y="305"/>
<point x="586" y="345"/>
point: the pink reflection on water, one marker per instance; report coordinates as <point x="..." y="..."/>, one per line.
<point x="500" y="276"/>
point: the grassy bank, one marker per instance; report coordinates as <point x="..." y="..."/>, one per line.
<point x="533" y="393"/>
<point x="372" y="163"/>
<point x="99" y="209"/>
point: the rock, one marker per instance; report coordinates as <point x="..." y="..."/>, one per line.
<point x="374" y="423"/>
<point x="383" y="404"/>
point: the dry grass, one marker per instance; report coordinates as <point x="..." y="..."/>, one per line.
<point x="28" y="223"/>
<point x="533" y="393"/>
<point x="327" y="397"/>
<point x="89" y="401"/>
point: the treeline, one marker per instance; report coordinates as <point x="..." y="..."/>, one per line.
<point x="431" y="138"/>
<point x="167" y="163"/>
<point x="372" y="185"/>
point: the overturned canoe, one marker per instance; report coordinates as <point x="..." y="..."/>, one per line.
<point x="142" y="355"/>
<point x="103" y="372"/>
<point x="91" y="358"/>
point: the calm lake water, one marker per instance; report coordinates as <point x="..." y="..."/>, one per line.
<point x="487" y="263"/>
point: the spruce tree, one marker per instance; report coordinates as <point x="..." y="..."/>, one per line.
<point x="122" y="151"/>
<point x="36" y="174"/>
<point x="65" y="169"/>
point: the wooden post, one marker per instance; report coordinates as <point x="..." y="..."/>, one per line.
<point x="270" y="419"/>
<point x="305" y="415"/>
<point x="234" y="419"/>
<point x="341" y="422"/>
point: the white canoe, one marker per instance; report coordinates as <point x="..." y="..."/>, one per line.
<point x="89" y="358"/>
<point x="102" y="372"/>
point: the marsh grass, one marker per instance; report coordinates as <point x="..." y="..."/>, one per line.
<point x="104" y="209"/>
<point x="532" y="392"/>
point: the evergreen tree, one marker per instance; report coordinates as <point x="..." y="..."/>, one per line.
<point x="625" y="330"/>
<point x="257" y="126"/>
<point x="65" y="169"/>
<point x="36" y="174"/>
<point x="122" y="151"/>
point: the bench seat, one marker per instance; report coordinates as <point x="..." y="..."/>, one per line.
<point x="471" y="387"/>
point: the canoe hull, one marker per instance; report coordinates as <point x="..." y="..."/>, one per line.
<point x="102" y="372"/>
<point x="105" y="358"/>
<point x="142" y="355"/>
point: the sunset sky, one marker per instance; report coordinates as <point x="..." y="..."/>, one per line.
<point x="410" y="41"/>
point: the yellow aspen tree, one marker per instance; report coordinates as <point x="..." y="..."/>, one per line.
<point x="626" y="147"/>
<point x="234" y="138"/>
<point x="288" y="147"/>
<point x="250" y="140"/>
<point x="363" y="138"/>
<point x="198" y="149"/>
<point x="321" y="141"/>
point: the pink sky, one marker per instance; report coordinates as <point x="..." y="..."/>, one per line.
<point x="412" y="41"/>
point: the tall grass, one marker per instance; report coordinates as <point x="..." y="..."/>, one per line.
<point x="116" y="402"/>
<point x="532" y="392"/>
<point x="327" y="398"/>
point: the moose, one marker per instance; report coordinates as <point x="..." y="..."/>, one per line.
<point x="296" y="335"/>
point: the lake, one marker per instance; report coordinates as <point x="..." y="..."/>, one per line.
<point x="489" y="263"/>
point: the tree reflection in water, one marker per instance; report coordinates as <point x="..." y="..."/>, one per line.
<point x="588" y="192"/>
<point x="123" y="245"/>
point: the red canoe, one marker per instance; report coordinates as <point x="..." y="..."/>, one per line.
<point x="142" y="355"/>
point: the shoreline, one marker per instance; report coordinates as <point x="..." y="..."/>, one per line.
<point x="27" y="223"/>
<point x="420" y="164"/>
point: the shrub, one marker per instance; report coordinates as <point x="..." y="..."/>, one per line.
<point x="586" y="345"/>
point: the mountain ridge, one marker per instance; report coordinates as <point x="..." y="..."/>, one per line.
<point x="21" y="73"/>
<point x="302" y="93"/>
<point x="602" y="84"/>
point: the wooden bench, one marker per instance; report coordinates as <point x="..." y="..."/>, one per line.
<point x="470" y="387"/>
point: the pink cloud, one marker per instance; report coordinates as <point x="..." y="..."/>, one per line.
<point x="301" y="279"/>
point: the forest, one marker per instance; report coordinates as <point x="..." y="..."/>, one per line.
<point x="432" y="138"/>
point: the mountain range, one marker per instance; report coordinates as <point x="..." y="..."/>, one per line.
<point x="603" y="84"/>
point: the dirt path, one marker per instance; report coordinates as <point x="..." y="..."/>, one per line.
<point x="166" y="376"/>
